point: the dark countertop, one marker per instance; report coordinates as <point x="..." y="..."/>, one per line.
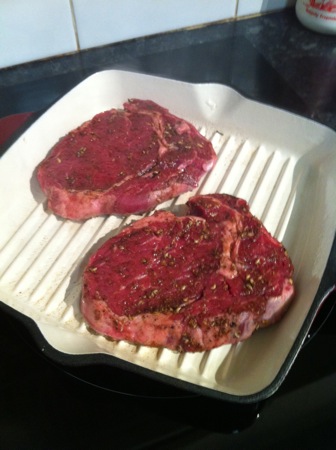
<point x="271" y="58"/>
<point x="44" y="405"/>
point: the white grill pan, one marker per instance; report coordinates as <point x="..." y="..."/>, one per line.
<point x="282" y="164"/>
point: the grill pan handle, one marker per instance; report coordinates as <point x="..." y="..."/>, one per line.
<point x="326" y="295"/>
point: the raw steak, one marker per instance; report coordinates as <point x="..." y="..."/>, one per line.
<point x="188" y="283"/>
<point x="124" y="161"/>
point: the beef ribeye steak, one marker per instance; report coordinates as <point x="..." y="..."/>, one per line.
<point x="188" y="283"/>
<point x="124" y="161"/>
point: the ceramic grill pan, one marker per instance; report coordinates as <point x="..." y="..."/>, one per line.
<point x="282" y="164"/>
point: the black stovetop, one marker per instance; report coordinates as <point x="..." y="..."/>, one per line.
<point x="46" y="405"/>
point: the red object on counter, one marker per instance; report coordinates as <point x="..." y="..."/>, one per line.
<point x="9" y="124"/>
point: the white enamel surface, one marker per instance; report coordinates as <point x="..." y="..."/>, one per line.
<point x="282" y="164"/>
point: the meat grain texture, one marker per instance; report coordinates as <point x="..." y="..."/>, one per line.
<point x="189" y="283"/>
<point x="124" y="161"/>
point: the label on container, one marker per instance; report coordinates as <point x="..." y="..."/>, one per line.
<point x="319" y="15"/>
<point x="321" y="9"/>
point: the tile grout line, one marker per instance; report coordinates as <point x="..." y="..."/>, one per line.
<point x="236" y="9"/>
<point x="74" y="22"/>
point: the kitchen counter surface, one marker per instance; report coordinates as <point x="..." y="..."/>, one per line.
<point x="44" y="405"/>
<point x="271" y="58"/>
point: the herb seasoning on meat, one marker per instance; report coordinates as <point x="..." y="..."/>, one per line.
<point x="124" y="161"/>
<point x="189" y="283"/>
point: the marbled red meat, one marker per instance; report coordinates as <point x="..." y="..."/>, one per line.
<point x="188" y="283"/>
<point x="124" y="161"/>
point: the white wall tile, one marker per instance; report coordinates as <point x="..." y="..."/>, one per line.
<point x="37" y="29"/>
<point x="102" y="22"/>
<point x="34" y="29"/>
<point x="246" y="7"/>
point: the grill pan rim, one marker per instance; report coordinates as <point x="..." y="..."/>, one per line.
<point x="326" y="286"/>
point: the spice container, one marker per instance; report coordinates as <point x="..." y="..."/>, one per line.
<point x="318" y="15"/>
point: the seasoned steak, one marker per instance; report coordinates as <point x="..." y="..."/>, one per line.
<point x="188" y="283"/>
<point x="124" y="161"/>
